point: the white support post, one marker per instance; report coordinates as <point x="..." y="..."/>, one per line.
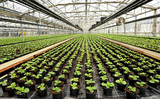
<point x="124" y="28"/>
<point x="22" y="30"/>
<point x="154" y="26"/>
<point x="135" y="28"/>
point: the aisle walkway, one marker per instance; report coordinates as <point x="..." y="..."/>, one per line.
<point x="138" y="49"/>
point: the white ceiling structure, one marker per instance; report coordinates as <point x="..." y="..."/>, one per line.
<point x="82" y="12"/>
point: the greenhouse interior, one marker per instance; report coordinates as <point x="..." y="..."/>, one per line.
<point x="80" y="49"/>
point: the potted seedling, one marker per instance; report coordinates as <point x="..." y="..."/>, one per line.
<point x="91" y="92"/>
<point x="157" y="76"/>
<point x="21" y="81"/>
<point x="63" y="78"/>
<point x="75" y="80"/>
<point x="121" y="84"/>
<point x="11" y="89"/>
<point x="101" y="73"/>
<point x="46" y="68"/>
<point x="74" y="89"/>
<point x="117" y="75"/>
<point x="58" y="83"/>
<point x="33" y="70"/>
<point x="138" y="70"/>
<point x="22" y="92"/>
<point x="143" y="76"/>
<point x="89" y="82"/>
<point x="4" y="84"/>
<point x="151" y="72"/>
<point x="131" y="92"/>
<point x="107" y="88"/>
<point x="42" y="90"/>
<point x="48" y="81"/>
<point x="103" y="78"/>
<point x="30" y="84"/>
<point x="112" y="71"/>
<point x="88" y="76"/>
<point x="89" y="71"/>
<point x="127" y="72"/>
<point x="133" y="79"/>
<point x="65" y="72"/>
<point x="42" y="72"/>
<point x="28" y="75"/>
<point x="57" y="92"/>
<point x="13" y="77"/>
<point x="37" y="78"/>
<point x="21" y="72"/>
<point x="51" y="74"/>
<point x="153" y="82"/>
<point x="158" y="69"/>
<point x="142" y="87"/>
<point x="56" y="70"/>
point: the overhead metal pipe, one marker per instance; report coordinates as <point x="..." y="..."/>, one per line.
<point x="36" y="5"/>
<point x="133" y="5"/>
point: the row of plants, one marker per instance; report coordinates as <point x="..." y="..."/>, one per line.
<point x="13" y="51"/>
<point x="127" y="69"/>
<point x="13" y="40"/>
<point x="144" y="42"/>
<point x="79" y="62"/>
<point x="43" y="70"/>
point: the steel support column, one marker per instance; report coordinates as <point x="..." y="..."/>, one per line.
<point x="135" y="28"/>
<point x="154" y="26"/>
<point x="22" y="31"/>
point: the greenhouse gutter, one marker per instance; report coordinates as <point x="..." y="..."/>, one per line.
<point x="138" y="49"/>
<point x="20" y="60"/>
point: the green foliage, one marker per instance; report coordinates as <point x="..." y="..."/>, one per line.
<point x="57" y="89"/>
<point x="27" y="74"/>
<point x="152" y="71"/>
<point x="37" y="76"/>
<point x="132" y="89"/>
<point x="103" y="72"/>
<point x="90" y="81"/>
<point x="117" y="74"/>
<point x="74" y="86"/>
<point x="108" y="84"/>
<point x="56" y="82"/>
<point x="22" y="90"/>
<point x="41" y="87"/>
<point x="47" y="78"/>
<point x="12" y="85"/>
<point x="153" y="80"/>
<point x="61" y="76"/>
<point x="91" y="89"/>
<point x="104" y="77"/>
<point x="141" y="83"/>
<point x="23" y="78"/>
<point x="77" y="73"/>
<point x="121" y="81"/>
<point x="74" y="79"/>
<point x="4" y="83"/>
<point x="134" y="77"/>
<point x="143" y="74"/>
<point x="138" y="69"/>
<point x="29" y="82"/>
<point x="13" y="75"/>
<point x="157" y="76"/>
<point x="88" y="74"/>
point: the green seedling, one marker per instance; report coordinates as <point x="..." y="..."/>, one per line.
<point x="57" y="89"/>
<point x="108" y="84"/>
<point x="121" y="81"/>
<point x="91" y="89"/>
<point x="22" y="90"/>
